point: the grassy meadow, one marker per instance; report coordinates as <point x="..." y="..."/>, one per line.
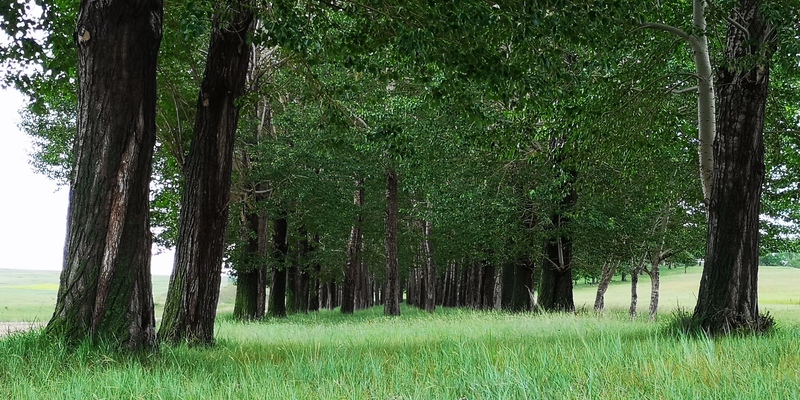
<point x="452" y="354"/>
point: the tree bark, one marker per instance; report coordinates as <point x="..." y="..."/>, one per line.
<point x="634" y="291"/>
<point x="555" y="288"/>
<point x="728" y="296"/>
<point x="251" y="283"/>
<point x="605" y="279"/>
<point x="105" y="290"/>
<point x="277" y="292"/>
<point x="655" y="285"/>
<point x="429" y="270"/>
<point x="191" y="306"/>
<point x="393" y="295"/>
<point x="353" y="270"/>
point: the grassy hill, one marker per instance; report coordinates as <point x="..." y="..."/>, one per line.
<point x="30" y="295"/>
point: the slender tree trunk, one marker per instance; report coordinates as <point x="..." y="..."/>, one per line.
<point x="105" y="290"/>
<point x="605" y="279"/>
<point x="728" y="297"/>
<point x="634" y="291"/>
<point x="486" y="301"/>
<point x="277" y="293"/>
<point x="393" y="295"/>
<point x="352" y="273"/>
<point x="655" y="284"/>
<point x="429" y="270"/>
<point x="191" y="306"/>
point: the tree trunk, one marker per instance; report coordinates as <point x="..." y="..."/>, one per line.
<point x="105" y="291"/>
<point x="429" y="270"/>
<point x="251" y="282"/>
<point x="728" y="296"/>
<point x="353" y="270"/>
<point x="522" y="287"/>
<point x="655" y="284"/>
<point x="487" y="286"/>
<point x="392" y="301"/>
<point x="605" y="279"/>
<point x="277" y="293"/>
<point x="191" y="306"/>
<point x="555" y="288"/>
<point x="634" y="291"/>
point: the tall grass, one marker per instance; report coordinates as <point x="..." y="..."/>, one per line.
<point x="452" y="354"/>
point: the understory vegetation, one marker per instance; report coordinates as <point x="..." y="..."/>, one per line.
<point x="451" y="354"/>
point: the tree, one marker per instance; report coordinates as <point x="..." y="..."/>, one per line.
<point x="105" y="290"/>
<point x="190" y="309"/>
<point x="728" y="297"/>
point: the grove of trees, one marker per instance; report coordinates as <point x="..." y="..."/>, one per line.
<point x="351" y="153"/>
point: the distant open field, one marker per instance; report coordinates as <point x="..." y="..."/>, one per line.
<point x="30" y="295"/>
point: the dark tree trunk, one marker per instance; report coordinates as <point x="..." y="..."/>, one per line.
<point x="487" y="286"/>
<point x="555" y="288"/>
<point x="393" y="295"/>
<point x="105" y="290"/>
<point x="353" y="269"/>
<point x="315" y="299"/>
<point x="277" y="293"/>
<point x="191" y="306"/>
<point x="728" y="297"/>
<point x="251" y="283"/>
<point x="605" y="279"/>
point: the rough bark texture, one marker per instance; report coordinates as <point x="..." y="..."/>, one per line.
<point x="191" y="306"/>
<point x="393" y="295"/>
<point x="277" y="293"/>
<point x="353" y="270"/>
<point x="105" y="290"/>
<point x="728" y="297"/>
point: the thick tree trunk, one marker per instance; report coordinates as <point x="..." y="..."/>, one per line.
<point x="728" y="297"/>
<point x="555" y="288"/>
<point x="277" y="292"/>
<point x="393" y="295"/>
<point x="251" y="283"/>
<point x="605" y="279"/>
<point x="191" y="306"/>
<point x="105" y="291"/>
<point x="522" y="288"/>
<point x="353" y="270"/>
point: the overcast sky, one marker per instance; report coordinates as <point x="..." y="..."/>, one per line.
<point x="33" y="209"/>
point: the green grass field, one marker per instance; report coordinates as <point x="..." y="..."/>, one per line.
<point x="452" y="354"/>
<point x="31" y="295"/>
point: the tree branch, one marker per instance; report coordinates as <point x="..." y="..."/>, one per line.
<point x="666" y="28"/>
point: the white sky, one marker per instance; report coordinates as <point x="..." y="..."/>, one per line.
<point x="33" y="209"/>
